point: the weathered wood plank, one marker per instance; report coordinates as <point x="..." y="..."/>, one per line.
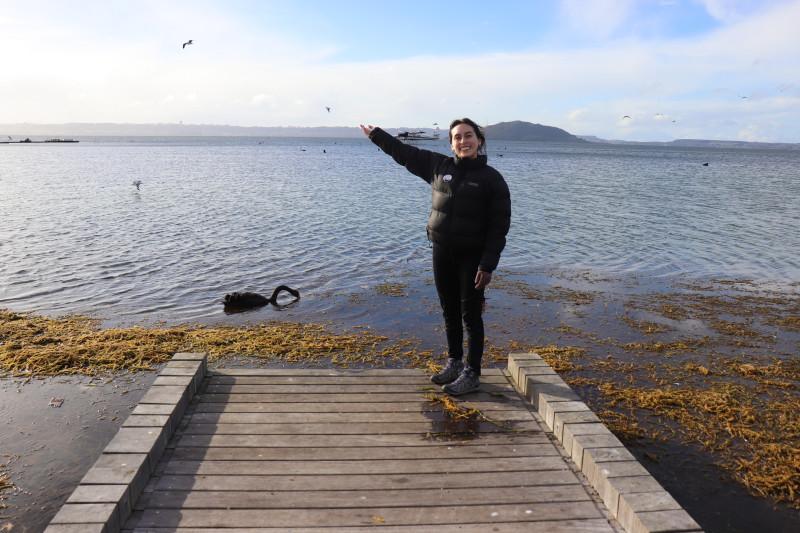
<point x="520" y="479"/>
<point x="343" y="418"/>
<point x="332" y="372"/>
<point x="336" y="441"/>
<point x="589" y="525"/>
<point x="339" y="499"/>
<point x="413" y="405"/>
<point x="421" y="380"/>
<point x="376" y="453"/>
<point x="423" y="516"/>
<point x="419" y="466"/>
<point x="384" y="428"/>
<point x="342" y="388"/>
<point x="511" y="398"/>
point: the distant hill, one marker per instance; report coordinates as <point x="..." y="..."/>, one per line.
<point x="518" y="130"/>
<point x="698" y="143"/>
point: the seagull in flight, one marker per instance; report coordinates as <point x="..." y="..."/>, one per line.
<point x="626" y="116"/>
<point x="137" y="183"/>
<point x="187" y="42"/>
<point x="328" y="108"/>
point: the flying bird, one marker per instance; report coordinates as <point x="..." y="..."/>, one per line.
<point x="626" y="116"/>
<point x="328" y="108"/>
<point x="137" y="183"/>
<point x="187" y="42"/>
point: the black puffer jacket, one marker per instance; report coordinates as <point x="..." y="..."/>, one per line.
<point x="470" y="204"/>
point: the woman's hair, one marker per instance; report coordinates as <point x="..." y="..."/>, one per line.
<point x="474" y="126"/>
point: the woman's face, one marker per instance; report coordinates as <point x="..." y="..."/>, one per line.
<point x="465" y="143"/>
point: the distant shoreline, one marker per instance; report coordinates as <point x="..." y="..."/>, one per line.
<point x="81" y="129"/>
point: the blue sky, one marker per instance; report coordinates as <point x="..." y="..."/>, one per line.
<point x="725" y="69"/>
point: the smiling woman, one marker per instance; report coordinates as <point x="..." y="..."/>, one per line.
<point x="469" y="220"/>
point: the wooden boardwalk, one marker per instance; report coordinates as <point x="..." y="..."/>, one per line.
<point x="347" y="450"/>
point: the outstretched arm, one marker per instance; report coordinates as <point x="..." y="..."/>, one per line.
<point x="422" y="163"/>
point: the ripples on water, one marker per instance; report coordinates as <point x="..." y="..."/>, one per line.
<point x="218" y="215"/>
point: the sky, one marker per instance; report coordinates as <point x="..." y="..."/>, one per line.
<point x="711" y="69"/>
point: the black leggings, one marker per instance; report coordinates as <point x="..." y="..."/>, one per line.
<point x="454" y="272"/>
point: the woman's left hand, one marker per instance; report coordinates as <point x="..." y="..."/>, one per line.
<point x="482" y="279"/>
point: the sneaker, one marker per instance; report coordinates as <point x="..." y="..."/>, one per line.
<point x="468" y="381"/>
<point x="450" y="372"/>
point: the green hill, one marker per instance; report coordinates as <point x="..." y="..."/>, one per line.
<point x="526" y="131"/>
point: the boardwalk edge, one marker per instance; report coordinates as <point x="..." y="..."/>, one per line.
<point x="638" y="502"/>
<point x="106" y="495"/>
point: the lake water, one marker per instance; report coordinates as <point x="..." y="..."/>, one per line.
<point x="336" y="216"/>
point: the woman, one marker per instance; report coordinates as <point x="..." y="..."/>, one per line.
<point x="469" y="220"/>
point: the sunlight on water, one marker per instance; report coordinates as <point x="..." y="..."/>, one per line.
<point x="218" y="215"/>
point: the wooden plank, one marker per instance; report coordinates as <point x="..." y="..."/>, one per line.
<point x="337" y="441"/>
<point x="413" y="405"/>
<point x="419" y="466"/>
<point x="340" y="499"/>
<point x="511" y="398"/>
<point x="374" y="453"/>
<point x="384" y="428"/>
<point x="519" y="479"/>
<point x="338" y="388"/>
<point x="332" y="372"/>
<point x="336" y="380"/>
<point x="424" y="516"/>
<point x="589" y="525"/>
<point x="343" y="418"/>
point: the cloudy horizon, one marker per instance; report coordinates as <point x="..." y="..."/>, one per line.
<point x="714" y="69"/>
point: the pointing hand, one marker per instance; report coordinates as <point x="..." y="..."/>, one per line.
<point x="367" y="129"/>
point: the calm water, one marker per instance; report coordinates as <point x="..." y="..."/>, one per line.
<point x="216" y="215"/>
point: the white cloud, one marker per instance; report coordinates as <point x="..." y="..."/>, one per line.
<point x="596" y="18"/>
<point x="729" y="10"/>
<point x="224" y="78"/>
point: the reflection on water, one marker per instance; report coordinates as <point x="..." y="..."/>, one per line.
<point x="220" y="215"/>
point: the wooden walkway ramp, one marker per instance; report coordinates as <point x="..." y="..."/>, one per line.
<point x="346" y="450"/>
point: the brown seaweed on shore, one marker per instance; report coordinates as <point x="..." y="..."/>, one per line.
<point x="755" y="438"/>
<point x="554" y="293"/>
<point x="391" y="289"/>
<point x="648" y="328"/>
<point x="5" y="485"/>
<point x="32" y="345"/>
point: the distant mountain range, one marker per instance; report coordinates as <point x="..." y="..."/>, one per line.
<point x="508" y="131"/>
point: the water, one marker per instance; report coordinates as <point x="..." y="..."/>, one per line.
<point x="334" y="216"/>
<point x="216" y="215"/>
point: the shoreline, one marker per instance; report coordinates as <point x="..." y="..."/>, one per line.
<point x="629" y="347"/>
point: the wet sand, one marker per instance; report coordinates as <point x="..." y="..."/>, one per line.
<point x="48" y="449"/>
<point x="635" y="334"/>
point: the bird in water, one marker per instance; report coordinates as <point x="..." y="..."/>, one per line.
<point x="705" y="164"/>
<point x="242" y="301"/>
<point x="187" y="42"/>
<point x="137" y="183"/>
